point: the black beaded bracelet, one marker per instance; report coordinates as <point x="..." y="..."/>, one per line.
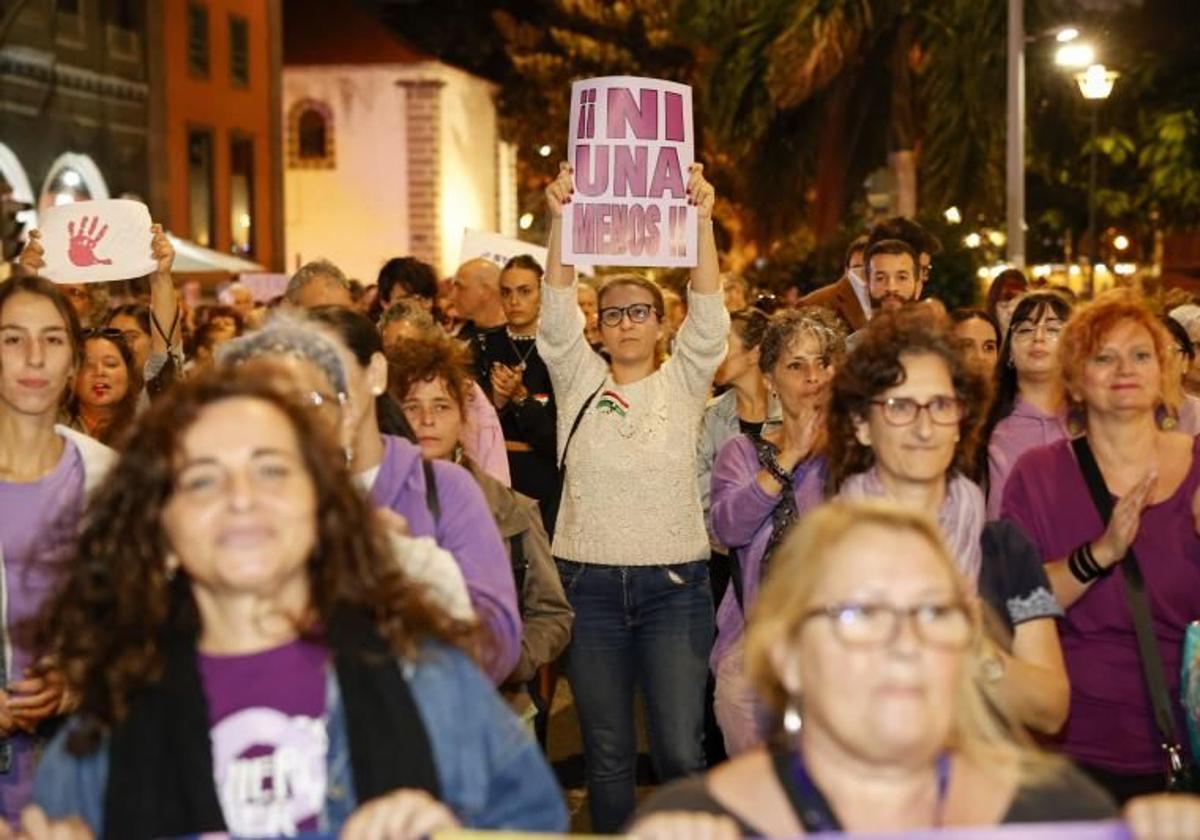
<point x="1083" y="565"/>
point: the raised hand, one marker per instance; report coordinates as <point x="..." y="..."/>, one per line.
<point x="33" y="255"/>
<point x="560" y="189"/>
<point x="162" y="250"/>
<point x="700" y="192"/>
<point x="506" y="383"/>
<point x="1123" y="526"/>
<point x="81" y="249"/>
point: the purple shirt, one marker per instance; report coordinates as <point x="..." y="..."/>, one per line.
<point x="467" y="530"/>
<point x="741" y="519"/>
<point x="29" y="512"/>
<point x="1111" y="723"/>
<point x="266" y="713"/>
<point x="1025" y="428"/>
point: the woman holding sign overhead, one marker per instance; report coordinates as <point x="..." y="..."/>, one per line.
<point x="630" y="541"/>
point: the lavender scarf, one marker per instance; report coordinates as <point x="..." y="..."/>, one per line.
<point x="960" y="518"/>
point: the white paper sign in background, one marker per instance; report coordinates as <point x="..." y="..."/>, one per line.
<point x="631" y="142"/>
<point x="96" y="241"/>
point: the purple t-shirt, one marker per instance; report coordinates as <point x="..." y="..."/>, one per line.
<point x="1111" y="723"/>
<point x="29" y="524"/>
<point x="267" y="716"/>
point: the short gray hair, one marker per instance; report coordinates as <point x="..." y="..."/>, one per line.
<point x="408" y="312"/>
<point x="287" y="335"/>
<point x="309" y="272"/>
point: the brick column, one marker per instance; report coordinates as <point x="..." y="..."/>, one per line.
<point x="423" y="123"/>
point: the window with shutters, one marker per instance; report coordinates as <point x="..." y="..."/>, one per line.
<point x="197" y="40"/>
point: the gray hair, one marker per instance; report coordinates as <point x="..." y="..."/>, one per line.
<point x="309" y="272"/>
<point x="287" y="335"/>
<point x="409" y="313"/>
<point x="788" y="325"/>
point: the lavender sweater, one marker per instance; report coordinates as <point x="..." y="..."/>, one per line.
<point x="1025" y="428"/>
<point x="1111" y="723"/>
<point x="467" y="530"/>
<point x="741" y="519"/>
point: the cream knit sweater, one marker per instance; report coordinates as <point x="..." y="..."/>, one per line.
<point x="631" y="497"/>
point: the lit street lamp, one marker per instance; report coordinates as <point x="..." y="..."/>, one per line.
<point x="1095" y="83"/>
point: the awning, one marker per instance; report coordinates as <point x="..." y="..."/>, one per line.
<point x="191" y="258"/>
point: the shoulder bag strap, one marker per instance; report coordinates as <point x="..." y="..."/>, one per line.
<point x="562" y="464"/>
<point x="1139" y="605"/>
<point x="431" y="492"/>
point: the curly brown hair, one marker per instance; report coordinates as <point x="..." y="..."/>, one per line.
<point x="877" y="364"/>
<point x="426" y="359"/>
<point x="116" y="607"/>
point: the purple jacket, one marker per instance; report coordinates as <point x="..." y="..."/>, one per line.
<point x="1027" y="427"/>
<point x="467" y="530"/>
<point x="1111" y="723"/>
<point x="741" y="519"/>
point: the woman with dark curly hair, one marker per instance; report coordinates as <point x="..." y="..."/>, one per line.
<point x="761" y="484"/>
<point x="248" y="657"/>
<point x="904" y="424"/>
<point x="107" y="388"/>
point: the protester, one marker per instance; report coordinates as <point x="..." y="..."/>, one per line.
<point x="1114" y="354"/>
<point x="407" y="278"/>
<point x="483" y="436"/>
<point x="761" y="484"/>
<point x="904" y="424"/>
<point x="46" y="471"/>
<point x="477" y="299"/>
<point x="1183" y="359"/>
<point x="107" y="387"/>
<point x="318" y="283"/>
<point x="923" y="243"/>
<point x="866" y="641"/>
<point x="133" y="321"/>
<point x="849" y="296"/>
<point x="1030" y="408"/>
<point x="333" y="380"/>
<point x="1188" y="316"/>
<point x="1002" y="295"/>
<point x="893" y="275"/>
<point x="586" y="295"/>
<point x="431" y="380"/>
<point x="736" y="289"/>
<point x="978" y="337"/>
<point x="630" y="536"/>
<point x="248" y="657"/>
<point x="520" y="387"/>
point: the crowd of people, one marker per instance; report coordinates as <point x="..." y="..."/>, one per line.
<point x="317" y="563"/>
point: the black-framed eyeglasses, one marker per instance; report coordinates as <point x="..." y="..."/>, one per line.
<point x="903" y="411"/>
<point x="946" y="625"/>
<point x="638" y="313"/>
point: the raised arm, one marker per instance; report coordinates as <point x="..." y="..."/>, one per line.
<point x="706" y="276"/>
<point x="165" y="332"/>
<point x="558" y="194"/>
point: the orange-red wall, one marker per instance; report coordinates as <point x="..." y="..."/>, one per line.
<point x="215" y="103"/>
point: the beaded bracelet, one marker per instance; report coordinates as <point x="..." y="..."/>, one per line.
<point x="1083" y="566"/>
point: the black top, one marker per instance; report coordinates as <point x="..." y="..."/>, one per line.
<point x="1068" y="796"/>
<point x="750" y="428"/>
<point x="1012" y="579"/>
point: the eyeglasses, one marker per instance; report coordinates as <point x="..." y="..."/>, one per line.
<point x="110" y="333"/>
<point x="1026" y="331"/>
<point x="903" y="411"/>
<point x="638" y="313"/>
<point x="945" y="625"/>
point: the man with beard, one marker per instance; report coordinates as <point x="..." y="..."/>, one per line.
<point x="893" y="274"/>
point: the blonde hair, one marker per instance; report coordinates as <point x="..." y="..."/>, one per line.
<point x="980" y="729"/>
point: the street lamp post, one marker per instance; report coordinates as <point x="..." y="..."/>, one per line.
<point x="1095" y="83"/>
<point x="1015" y="141"/>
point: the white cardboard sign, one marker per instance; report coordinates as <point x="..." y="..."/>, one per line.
<point x="631" y="142"/>
<point x="96" y="241"/>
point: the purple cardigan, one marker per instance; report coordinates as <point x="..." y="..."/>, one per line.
<point x="741" y="519"/>
<point x="1111" y="723"/>
<point x="467" y="530"/>
<point x="1025" y="428"/>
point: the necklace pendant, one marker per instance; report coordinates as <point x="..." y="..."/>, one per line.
<point x="521" y="367"/>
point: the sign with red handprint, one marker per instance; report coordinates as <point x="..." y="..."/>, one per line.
<point x="96" y="241"/>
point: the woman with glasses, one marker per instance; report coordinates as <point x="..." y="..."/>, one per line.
<point x="250" y="659"/>
<point x="761" y="484"/>
<point x="1183" y="359"/>
<point x="1116" y="366"/>
<point x="107" y="388"/>
<point x="866" y="641"/>
<point x="904" y="423"/>
<point x="330" y="378"/>
<point x="1030" y="408"/>
<point x="630" y="537"/>
<point x="46" y="471"/>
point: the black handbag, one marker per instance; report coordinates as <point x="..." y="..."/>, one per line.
<point x="1181" y="775"/>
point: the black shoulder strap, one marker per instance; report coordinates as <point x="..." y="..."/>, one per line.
<point x="1135" y="591"/>
<point x="809" y="804"/>
<point x="562" y="463"/>
<point x="431" y="492"/>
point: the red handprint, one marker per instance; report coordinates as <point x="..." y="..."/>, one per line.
<point x="82" y="247"/>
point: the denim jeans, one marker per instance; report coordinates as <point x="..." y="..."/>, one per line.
<point x="637" y="627"/>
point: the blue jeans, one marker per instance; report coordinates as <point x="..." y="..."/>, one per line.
<point x="647" y="627"/>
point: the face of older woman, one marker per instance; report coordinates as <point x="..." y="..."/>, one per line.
<point x="881" y="684"/>
<point x="1124" y="374"/>
<point x="241" y="517"/>
<point x="801" y="374"/>
<point x="913" y="427"/>
<point x="435" y="416"/>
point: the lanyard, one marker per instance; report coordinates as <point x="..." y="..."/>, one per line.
<point x="814" y="812"/>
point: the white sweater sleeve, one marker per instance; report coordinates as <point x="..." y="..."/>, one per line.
<point x="575" y="368"/>
<point x="701" y="343"/>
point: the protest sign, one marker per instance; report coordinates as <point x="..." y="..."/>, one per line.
<point x="631" y="143"/>
<point x="96" y="241"/>
<point x="499" y="249"/>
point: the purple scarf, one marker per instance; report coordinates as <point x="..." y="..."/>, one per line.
<point x="960" y="518"/>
